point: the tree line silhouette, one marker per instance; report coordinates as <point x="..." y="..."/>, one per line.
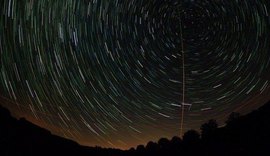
<point x="247" y="135"/>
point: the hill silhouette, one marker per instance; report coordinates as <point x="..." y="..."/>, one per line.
<point x="22" y="138"/>
<point x="247" y="135"/>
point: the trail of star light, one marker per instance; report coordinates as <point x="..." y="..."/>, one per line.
<point x="183" y="79"/>
<point x="107" y="72"/>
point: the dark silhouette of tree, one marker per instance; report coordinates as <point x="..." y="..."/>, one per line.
<point x="140" y="149"/>
<point x="176" y="145"/>
<point x="191" y="140"/>
<point x="152" y="147"/>
<point x="232" y="117"/>
<point x="207" y="129"/>
<point x="191" y="137"/>
<point x="163" y="143"/>
<point x="132" y="149"/>
<point x="176" y="141"/>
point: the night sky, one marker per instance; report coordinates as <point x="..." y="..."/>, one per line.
<point x="109" y="72"/>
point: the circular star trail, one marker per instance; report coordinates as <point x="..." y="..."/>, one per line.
<point x="109" y="73"/>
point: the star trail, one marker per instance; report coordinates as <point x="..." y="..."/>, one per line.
<point x="109" y="72"/>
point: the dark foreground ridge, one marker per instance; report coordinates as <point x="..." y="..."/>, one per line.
<point x="247" y="135"/>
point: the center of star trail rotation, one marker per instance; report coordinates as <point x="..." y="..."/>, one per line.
<point x="109" y="73"/>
